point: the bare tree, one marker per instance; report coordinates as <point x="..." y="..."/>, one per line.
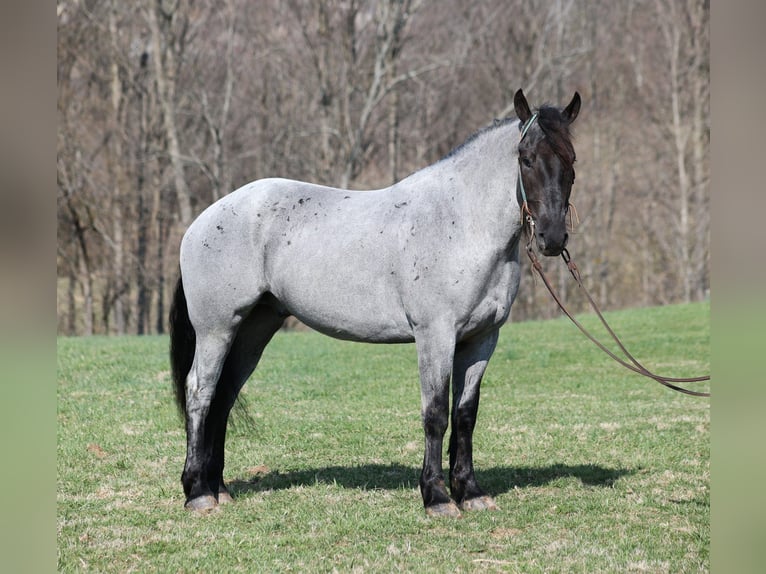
<point x="679" y="109"/>
<point x="168" y="23"/>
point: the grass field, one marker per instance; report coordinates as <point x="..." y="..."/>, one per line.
<point x="595" y="469"/>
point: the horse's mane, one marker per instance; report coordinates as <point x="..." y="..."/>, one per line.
<point x="555" y="128"/>
<point x="557" y="133"/>
<point x="477" y="134"/>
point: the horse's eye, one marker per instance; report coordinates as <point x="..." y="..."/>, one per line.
<point x="526" y="162"/>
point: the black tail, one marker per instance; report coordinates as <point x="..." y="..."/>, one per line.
<point x="182" y="343"/>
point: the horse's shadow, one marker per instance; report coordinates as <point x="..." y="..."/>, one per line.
<point x="495" y="481"/>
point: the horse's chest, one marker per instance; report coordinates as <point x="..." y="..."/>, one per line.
<point x="492" y="304"/>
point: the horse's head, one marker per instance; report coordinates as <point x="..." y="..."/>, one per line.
<point x="546" y="170"/>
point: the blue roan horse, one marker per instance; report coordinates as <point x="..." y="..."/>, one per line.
<point x="432" y="259"/>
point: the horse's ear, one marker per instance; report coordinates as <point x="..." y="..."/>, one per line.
<point x="522" y="107"/>
<point x="571" y="111"/>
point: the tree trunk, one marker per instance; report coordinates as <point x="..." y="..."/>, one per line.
<point x="144" y="213"/>
<point x="118" y="178"/>
<point x="165" y="75"/>
<point x="71" y="323"/>
<point x="86" y="283"/>
<point x="161" y="236"/>
<point x="700" y="146"/>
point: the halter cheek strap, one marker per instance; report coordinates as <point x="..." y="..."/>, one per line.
<point x="524" y="207"/>
<point x="527" y="125"/>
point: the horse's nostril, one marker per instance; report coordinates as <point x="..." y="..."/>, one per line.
<point x="566" y="239"/>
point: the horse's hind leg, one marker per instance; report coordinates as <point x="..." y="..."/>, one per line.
<point x="471" y="358"/>
<point x="210" y="353"/>
<point x="253" y="335"/>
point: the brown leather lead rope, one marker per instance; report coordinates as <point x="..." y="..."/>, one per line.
<point x="636" y="367"/>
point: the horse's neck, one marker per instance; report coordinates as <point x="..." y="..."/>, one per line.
<point x="485" y="175"/>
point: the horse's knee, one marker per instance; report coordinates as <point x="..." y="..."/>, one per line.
<point x="201" y="383"/>
<point x="435" y="419"/>
<point x="464" y="417"/>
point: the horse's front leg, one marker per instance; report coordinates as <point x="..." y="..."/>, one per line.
<point x="471" y="358"/>
<point x="435" y="348"/>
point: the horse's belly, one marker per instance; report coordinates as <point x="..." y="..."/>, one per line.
<point x="344" y="305"/>
<point x="360" y="319"/>
<point x="367" y="329"/>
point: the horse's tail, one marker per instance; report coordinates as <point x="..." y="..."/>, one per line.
<point x="182" y="342"/>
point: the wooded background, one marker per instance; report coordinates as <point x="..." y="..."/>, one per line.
<point x="167" y="105"/>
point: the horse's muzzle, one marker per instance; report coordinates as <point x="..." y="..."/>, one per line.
<point x="552" y="244"/>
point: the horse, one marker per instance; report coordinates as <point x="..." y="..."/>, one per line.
<point x="433" y="259"/>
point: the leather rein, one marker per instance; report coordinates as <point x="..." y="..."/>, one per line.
<point x="632" y="363"/>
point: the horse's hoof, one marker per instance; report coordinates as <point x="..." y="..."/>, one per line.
<point x="479" y="503"/>
<point x="224" y="497"/>
<point x="445" y="509"/>
<point x="202" y="504"/>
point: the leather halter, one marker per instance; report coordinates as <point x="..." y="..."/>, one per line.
<point x="524" y="205"/>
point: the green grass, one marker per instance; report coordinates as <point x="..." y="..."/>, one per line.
<point x="595" y="469"/>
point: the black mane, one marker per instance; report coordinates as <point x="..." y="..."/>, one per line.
<point x="556" y="130"/>
<point x="477" y="134"/>
<point x="553" y="125"/>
